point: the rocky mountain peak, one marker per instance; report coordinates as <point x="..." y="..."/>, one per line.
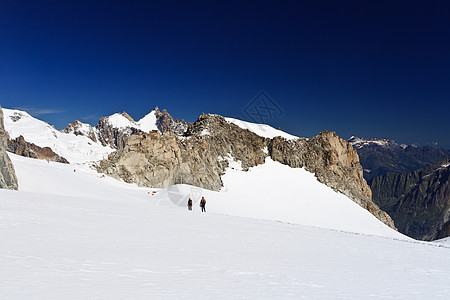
<point x="165" y="122"/>
<point x="79" y="128"/>
<point x="115" y="137"/>
<point x="74" y="126"/>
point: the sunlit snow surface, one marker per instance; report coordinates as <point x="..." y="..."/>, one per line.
<point x="148" y="122"/>
<point x="445" y="241"/>
<point x="81" y="236"/>
<point x="261" y="129"/>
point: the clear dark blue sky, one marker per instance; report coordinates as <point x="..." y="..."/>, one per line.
<point x="364" y="68"/>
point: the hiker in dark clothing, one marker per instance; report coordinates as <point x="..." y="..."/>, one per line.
<point x="190" y="204"/>
<point x="203" y="204"/>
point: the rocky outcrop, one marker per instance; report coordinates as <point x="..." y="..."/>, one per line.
<point x="21" y="147"/>
<point x="162" y="159"/>
<point x="418" y="201"/>
<point x="334" y="162"/>
<point x="79" y="128"/>
<point x="200" y="158"/>
<point x="8" y="179"/>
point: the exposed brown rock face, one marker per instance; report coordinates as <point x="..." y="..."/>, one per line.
<point x="160" y="160"/>
<point x="225" y="139"/>
<point x="20" y="147"/>
<point x="8" y="179"/>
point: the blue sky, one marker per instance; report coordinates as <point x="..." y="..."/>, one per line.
<point x="378" y="69"/>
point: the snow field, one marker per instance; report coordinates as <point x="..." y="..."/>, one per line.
<point x="273" y="232"/>
<point x="65" y="247"/>
<point x="270" y="191"/>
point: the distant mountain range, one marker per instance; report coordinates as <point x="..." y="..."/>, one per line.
<point x="410" y="183"/>
<point x="381" y="156"/>
<point x="418" y="201"/>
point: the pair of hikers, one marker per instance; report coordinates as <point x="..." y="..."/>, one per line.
<point x="202" y="204"/>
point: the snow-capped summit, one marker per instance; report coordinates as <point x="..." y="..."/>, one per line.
<point x="74" y="148"/>
<point x="117" y="128"/>
<point x="121" y="121"/>
<point x="81" y="142"/>
<point x="154" y="120"/>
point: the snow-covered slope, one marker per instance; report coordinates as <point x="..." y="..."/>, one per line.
<point x="148" y="122"/>
<point x="445" y="241"/>
<point x="76" y="149"/>
<point x="81" y="236"/>
<point x="274" y="191"/>
<point x="270" y="191"/>
<point x="261" y="129"/>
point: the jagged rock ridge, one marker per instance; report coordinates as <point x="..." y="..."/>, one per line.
<point x="8" y="179"/>
<point x="166" y="123"/>
<point x="20" y="147"/>
<point x="79" y="128"/>
<point x="200" y="158"/>
<point x="109" y="133"/>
